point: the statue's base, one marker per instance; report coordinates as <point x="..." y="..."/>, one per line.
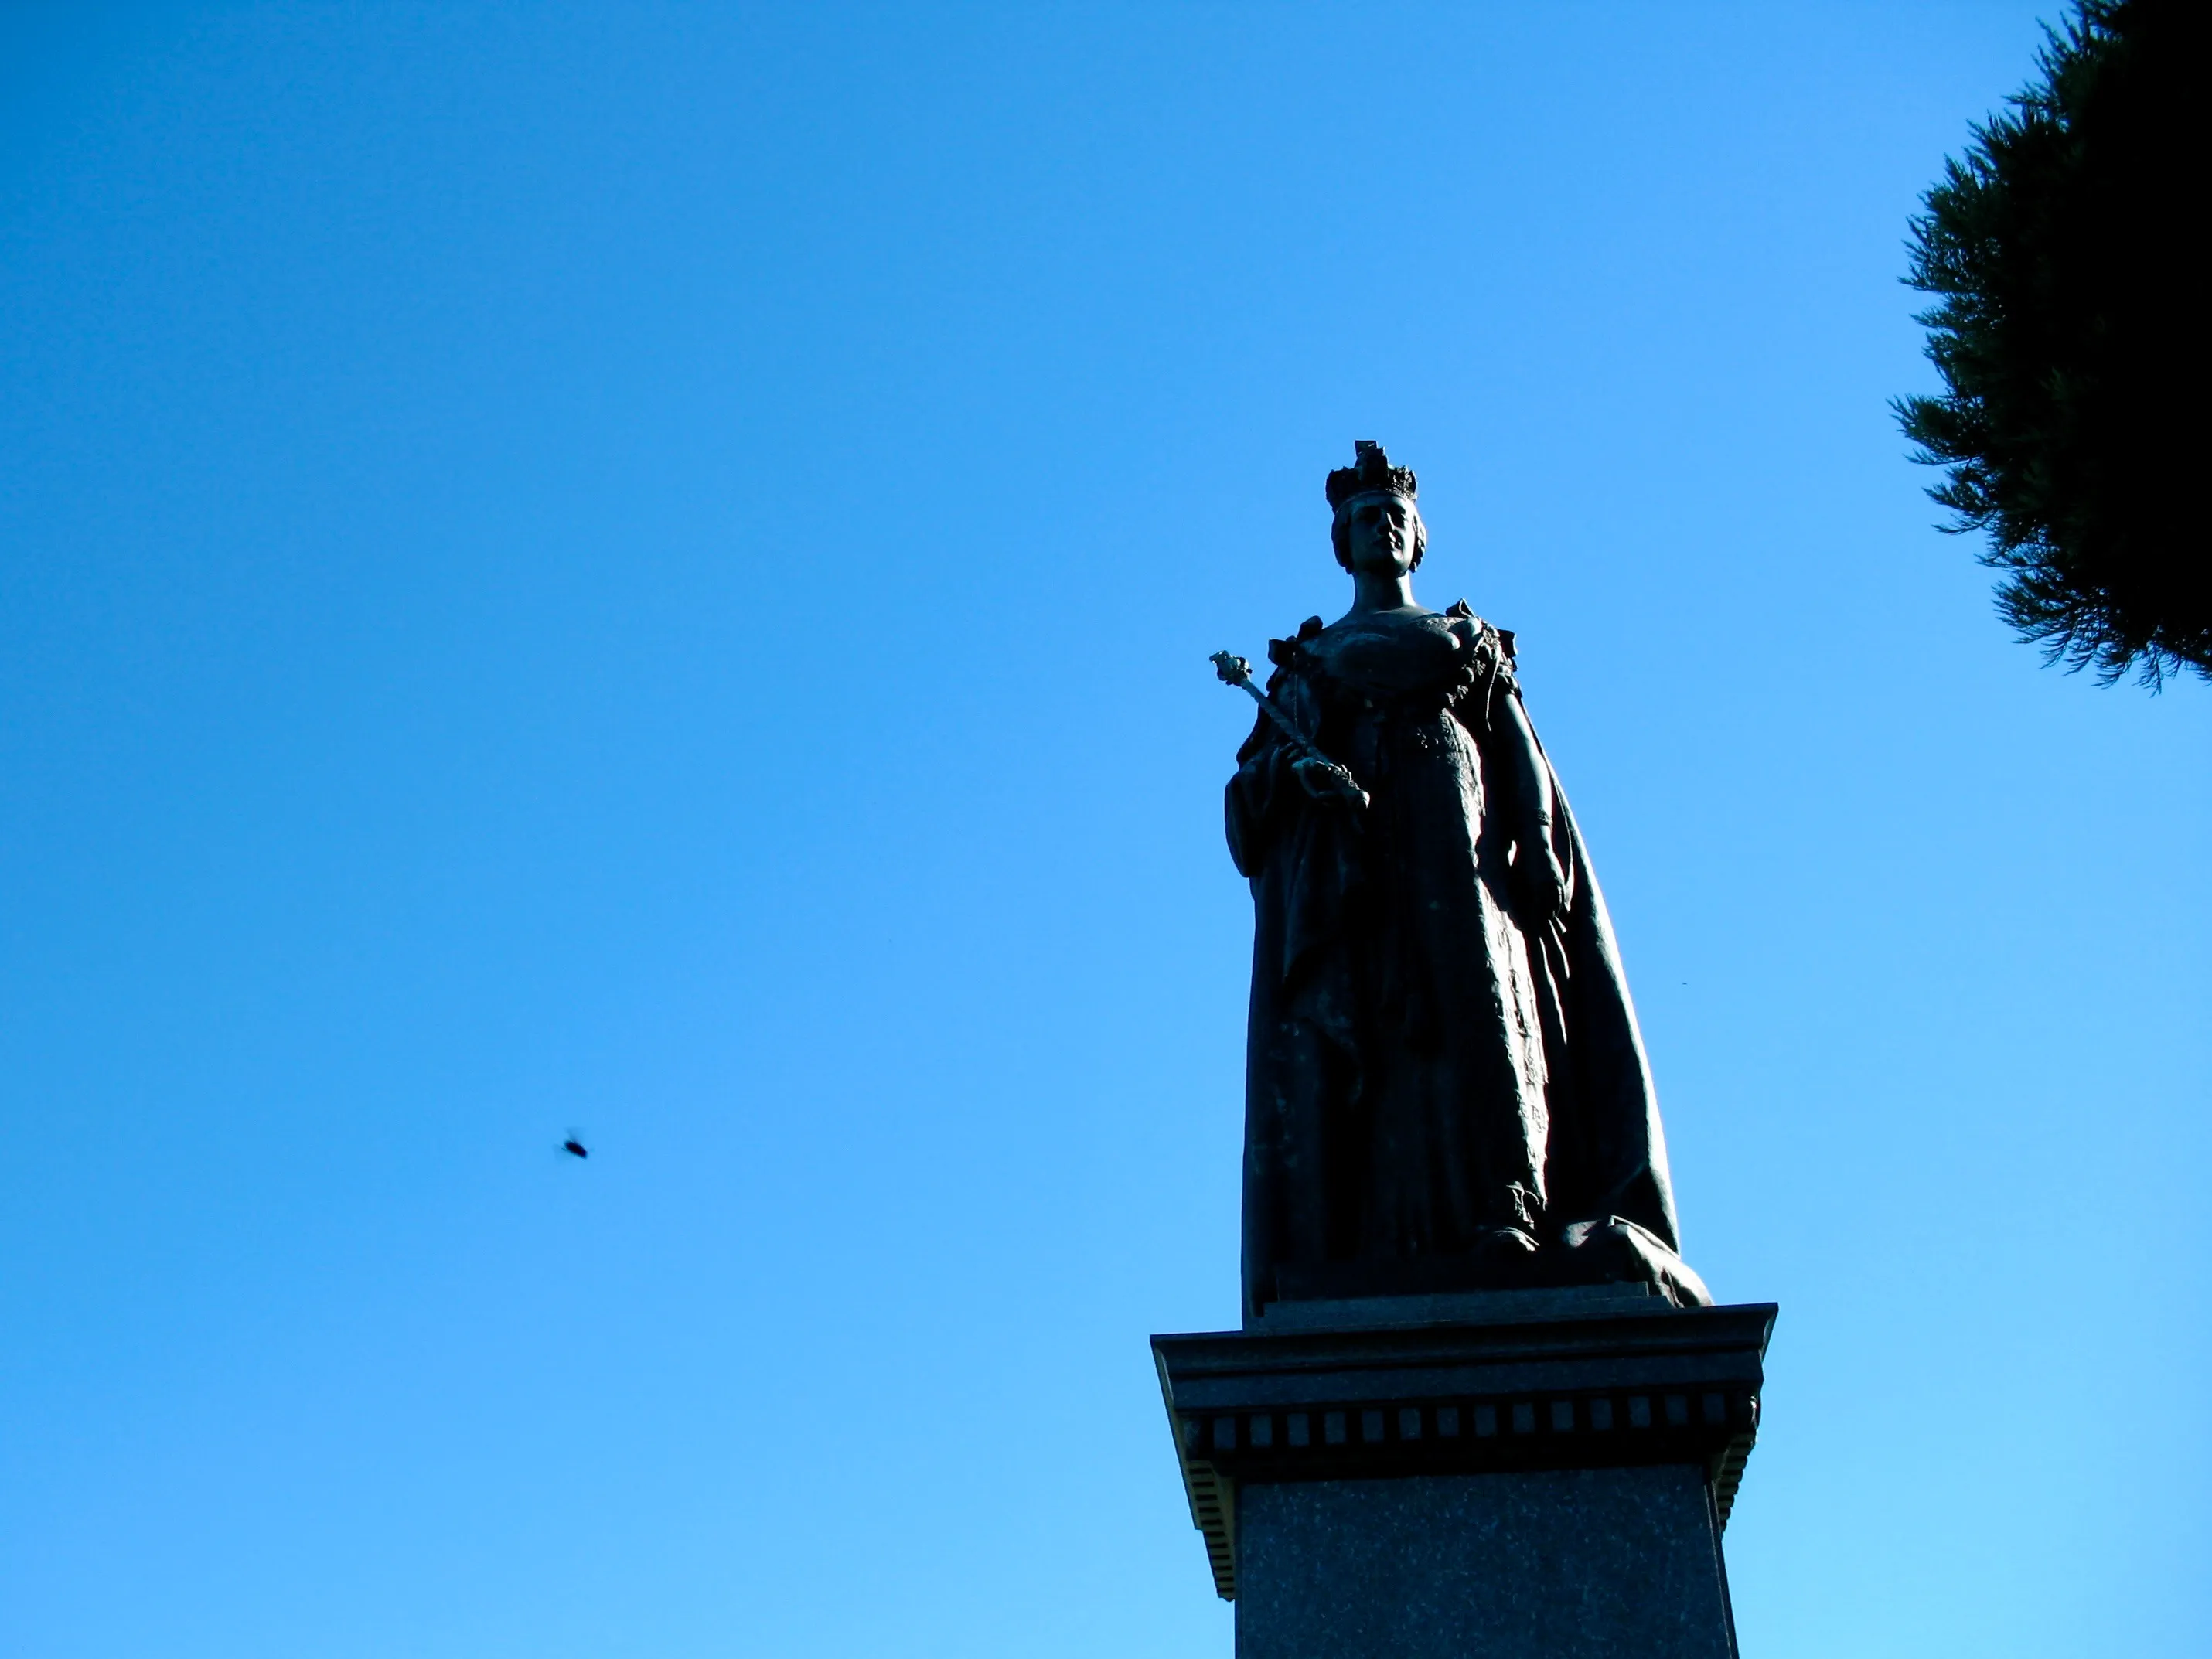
<point x="1513" y="1475"/>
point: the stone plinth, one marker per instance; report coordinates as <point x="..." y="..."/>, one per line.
<point x="1512" y="1474"/>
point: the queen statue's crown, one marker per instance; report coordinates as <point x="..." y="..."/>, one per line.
<point x="1370" y="470"/>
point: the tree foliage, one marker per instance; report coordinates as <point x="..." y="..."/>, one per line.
<point x="2069" y="331"/>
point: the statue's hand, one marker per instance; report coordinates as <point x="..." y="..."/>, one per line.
<point x="1541" y="878"/>
<point x="1326" y="780"/>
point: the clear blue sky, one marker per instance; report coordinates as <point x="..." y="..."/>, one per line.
<point x="649" y="568"/>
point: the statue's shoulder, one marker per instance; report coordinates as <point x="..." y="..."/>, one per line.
<point x="1485" y="638"/>
<point x="1293" y="653"/>
<point x="1485" y="660"/>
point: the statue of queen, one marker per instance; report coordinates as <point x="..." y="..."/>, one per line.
<point x="1445" y="1088"/>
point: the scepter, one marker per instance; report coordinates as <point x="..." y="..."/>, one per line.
<point x="1234" y="671"/>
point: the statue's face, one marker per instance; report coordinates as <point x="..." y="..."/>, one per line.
<point x="1378" y="537"/>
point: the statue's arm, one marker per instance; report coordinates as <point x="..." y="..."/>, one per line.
<point x="1535" y="861"/>
<point x="1252" y="797"/>
<point x="1264" y="790"/>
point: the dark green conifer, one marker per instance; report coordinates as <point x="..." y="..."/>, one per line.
<point x="2071" y="332"/>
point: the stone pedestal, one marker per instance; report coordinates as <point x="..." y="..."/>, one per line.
<point x="1516" y="1476"/>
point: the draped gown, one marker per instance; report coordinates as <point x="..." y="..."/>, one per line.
<point x="1439" y="1075"/>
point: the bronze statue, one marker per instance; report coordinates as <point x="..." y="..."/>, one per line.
<point x="1445" y="1086"/>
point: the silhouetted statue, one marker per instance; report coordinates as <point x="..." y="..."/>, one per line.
<point x="1446" y="1088"/>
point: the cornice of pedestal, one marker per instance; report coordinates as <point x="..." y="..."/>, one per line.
<point x="1606" y="1384"/>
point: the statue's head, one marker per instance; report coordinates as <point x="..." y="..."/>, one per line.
<point x="1377" y="527"/>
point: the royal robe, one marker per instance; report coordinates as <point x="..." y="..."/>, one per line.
<point x="1442" y="1070"/>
